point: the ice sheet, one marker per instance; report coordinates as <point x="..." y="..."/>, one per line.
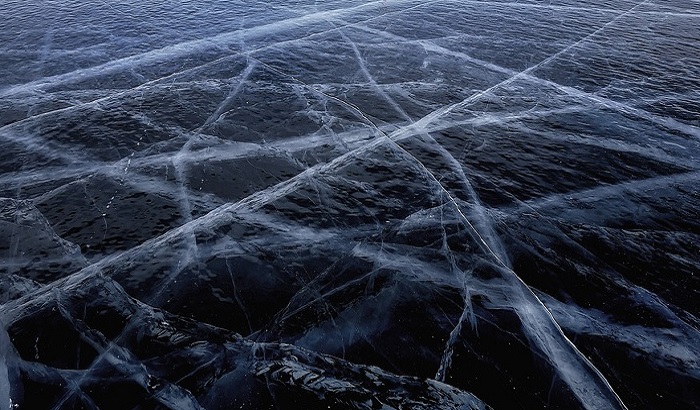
<point x="366" y="204"/>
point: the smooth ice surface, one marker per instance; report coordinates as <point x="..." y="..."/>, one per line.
<point x="350" y="204"/>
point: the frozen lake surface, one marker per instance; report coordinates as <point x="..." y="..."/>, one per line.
<point x="350" y="204"/>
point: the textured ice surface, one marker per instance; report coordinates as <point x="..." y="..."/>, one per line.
<point x="350" y="204"/>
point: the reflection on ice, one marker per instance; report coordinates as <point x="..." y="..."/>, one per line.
<point x="367" y="204"/>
